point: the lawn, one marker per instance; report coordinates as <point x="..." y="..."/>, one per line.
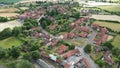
<point x="11" y="41"/>
<point x="78" y="42"/>
<point x="111" y="8"/>
<point x="116" y="41"/>
<point x="113" y="26"/>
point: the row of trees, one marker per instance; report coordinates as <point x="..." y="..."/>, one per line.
<point x="3" y="19"/>
<point x="7" y="32"/>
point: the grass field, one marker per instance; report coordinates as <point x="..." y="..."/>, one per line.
<point x="9" y="1"/>
<point x="111" y="8"/>
<point x="116" y="41"/>
<point x="113" y="26"/>
<point x="11" y="41"/>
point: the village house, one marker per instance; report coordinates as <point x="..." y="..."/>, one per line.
<point x="87" y="63"/>
<point x="31" y="14"/>
<point x="62" y="49"/>
<point x="107" y="58"/>
<point x="53" y="26"/>
<point x="101" y="37"/>
<point x="69" y="35"/>
<point x="70" y="53"/>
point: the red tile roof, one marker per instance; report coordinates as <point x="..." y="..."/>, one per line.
<point x="95" y="25"/>
<point x="104" y="30"/>
<point x="70" y="53"/>
<point x="107" y="57"/>
<point x="67" y="65"/>
<point x="85" y="29"/>
<point x="55" y="42"/>
<point x="83" y="34"/>
<point x="62" y="48"/>
<point x="69" y="35"/>
<point x="104" y="38"/>
<point x="43" y="53"/>
<point x="87" y="63"/>
<point x="53" y="26"/>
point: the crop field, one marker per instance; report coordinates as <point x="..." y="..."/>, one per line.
<point x="116" y="41"/>
<point x="113" y="26"/>
<point x="115" y="8"/>
<point x="11" y="41"/>
<point x="106" y="17"/>
<point x="9" y="1"/>
<point x="8" y="10"/>
<point x="8" y="14"/>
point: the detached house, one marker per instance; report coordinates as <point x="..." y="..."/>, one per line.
<point x="62" y="49"/>
<point x="107" y="57"/>
<point x="71" y="53"/>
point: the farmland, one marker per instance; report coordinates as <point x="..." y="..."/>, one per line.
<point x="112" y="26"/>
<point x="8" y="10"/>
<point x="116" y="41"/>
<point x="9" y="1"/>
<point x="106" y="17"/>
<point x="115" y="8"/>
<point x="12" y="41"/>
<point x="8" y="14"/>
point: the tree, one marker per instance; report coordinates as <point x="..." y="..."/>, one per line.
<point x="87" y="48"/>
<point x="20" y="64"/>
<point x="116" y="51"/>
<point x="101" y="63"/>
<point x="108" y="44"/>
<point x="16" y="31"/>
<point x="7" y="32"/>
<point x="2" y="53"/>
<point x="35" y="55"/>
<point x="27" y="56"/>
<point x="14" y="52"/>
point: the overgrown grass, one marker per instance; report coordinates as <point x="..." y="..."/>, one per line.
<point x="9" y="42"/>
<point x="116" y="41"/>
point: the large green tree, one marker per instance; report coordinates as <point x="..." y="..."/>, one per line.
<point x="16" y="31"/>
<point x="35" y="55"/>
<point x="20" y="64"/>
<point x="7" y="32"/>
<point x="87" y="48"/>
<point x="14" y="52"/>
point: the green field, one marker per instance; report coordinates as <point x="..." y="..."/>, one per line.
<point x="116" y="41"/>
<point x="111" y="8"/>
<point x="9" y="1"/>
<point x="112" y="26"/>
<point x="12" y="41"/>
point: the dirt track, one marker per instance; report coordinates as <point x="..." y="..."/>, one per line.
<point x="9" y="24"/>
